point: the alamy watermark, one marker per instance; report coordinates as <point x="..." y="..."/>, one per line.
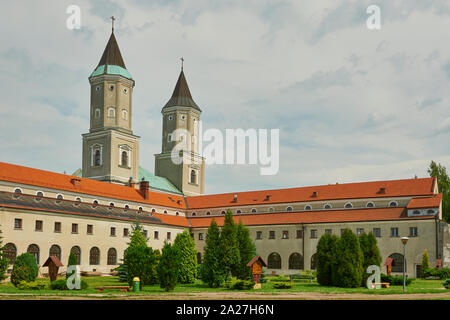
<point x="230" y="148"/>
<point x="374" y="20"/>
<point x="74" y="20"/>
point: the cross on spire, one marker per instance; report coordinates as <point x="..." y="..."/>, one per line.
<point x="182" y="62"/>
<point x="112" y="21"/>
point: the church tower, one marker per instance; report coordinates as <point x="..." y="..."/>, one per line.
<point x="181" y="129"/>
<point x="110" y="149"/>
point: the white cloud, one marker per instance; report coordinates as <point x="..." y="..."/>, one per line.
<point x="351" y="104"/>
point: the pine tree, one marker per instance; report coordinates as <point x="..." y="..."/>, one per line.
<point x="72" y="262"/>
<point x="371" y="253"/>
<point x="229" y="245"/>
<point x="139" y="259"/>
<point x="425" y="262"/>
<point x="211" y="270"/>
<point x="347" y="267"/>
<point x="188" y="257"/>
<point x="4" y="262"/>
<point x="168" y="267"/>
<point x="325" y="250"/>
<point x="247" y="251"/>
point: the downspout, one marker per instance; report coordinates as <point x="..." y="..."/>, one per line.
<point x="303" y="245"/>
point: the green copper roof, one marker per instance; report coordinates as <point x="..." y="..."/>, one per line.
<point x="159" y="183"/>
<point x="111" y="70"/>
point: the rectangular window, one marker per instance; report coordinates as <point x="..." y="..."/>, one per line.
<point x="200" y="236"/>
<point x="394" y="232"/>
<point x="413" y="231"/>
<point x="113" y="232"/>
<point x="359" y="231"/>
<point x="168" y="235"/>
<point x="258" y="235"/>
<point x="156" y="235"/>
<point x="299" y="234"/>
<point x="313" y="234"/>
<point x="285" y="234"/>
<point x="74" y="228"/>
<point x="57" y="226"/>
<point x="271" y="234"/>
<point x="342" y="232"/>
<point x="145" y="234"/>
<point x="125" y="232"/>
<point x="328" y="231"/>
<point x="17" y="223"/>
<point x="38" y="225"/>
<point x="377" y="232"/>
<point x="90" y="229"/>
<point x="192" y="235"/>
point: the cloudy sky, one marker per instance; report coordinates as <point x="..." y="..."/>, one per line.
<point x="351" y="104"/>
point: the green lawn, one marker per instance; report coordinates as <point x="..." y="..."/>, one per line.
<point x="417" y="286"/>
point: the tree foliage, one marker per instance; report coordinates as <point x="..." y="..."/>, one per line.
<point x="25" y="269"/>
<point x="325" y="257"/>
<point x="229" y="245"/>
<point x="188" y="257"/>
<point x="140" y="260"/>
<point x="371" y="253"/>
<point x="425" y="262"/>
<point x="211" y="270"/>
<point x="72" y="262"/>
<point x="168" y="267"/>
<point x="247" y="251"/>
<point x="4" y="262"/>
<point x="440" y="172"/>
<point x="347" y="268"/>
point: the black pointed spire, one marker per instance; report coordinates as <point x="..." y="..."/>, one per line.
<point x="181" y="95"/>
<point x="111" y="55"/>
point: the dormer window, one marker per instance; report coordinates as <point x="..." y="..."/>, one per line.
<point x="370" y="205"/>
<point x="348" y="205"/>
<point x="94" y="204"/>
<point x="17" y="193"/>
<point x="308" y="207"/>
<point x="289" y="209"/>
<point x="327" y="206"/>
<point x="59" y="198"/>
<point x="393" y="204"/>
<point x="254" y="210"/>
<point x="39" y="195"/>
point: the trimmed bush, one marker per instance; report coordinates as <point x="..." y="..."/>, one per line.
<point x="395" y="280"/>
<point x="282" y="285"/>
<point x="446" y="284"/>
<point x="325" y="250"/>
<point x="35" y="285"/>
<point x="62" y="285"/>
<point x="168" y="267"/>
<point x="25" y="269"/>
<point x="442" y="274"/>
<point x="187" y="264"/>
<point x="235" y="284"/>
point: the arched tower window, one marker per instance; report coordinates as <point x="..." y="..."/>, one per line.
<point x="124" y="159"/>
<point x="124" y="114"/>
<point x="193" y="176"/>
<point x="111" y="112"/>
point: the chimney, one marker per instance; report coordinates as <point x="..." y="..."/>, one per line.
<point x="314" y="194"/>
<point x="76" y="182"/>
<point x="143" y="188"/>
<point x="382" y="191"/>
<point x="131" y="182"/>
<point x="235" y="198"/>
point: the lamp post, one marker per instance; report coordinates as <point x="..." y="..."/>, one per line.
<point x="404" y="241"/>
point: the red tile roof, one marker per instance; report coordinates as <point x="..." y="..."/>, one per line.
<point x="47" y="179"/>
<point x="173" y="220"/>
<point x="428" y="202"/>
<point x="325" y="216"/>
<point x="377" y="189"/>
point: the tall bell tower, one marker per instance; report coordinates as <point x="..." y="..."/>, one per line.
<point x="110" y="149"/>
<point x="181" y="129"/>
